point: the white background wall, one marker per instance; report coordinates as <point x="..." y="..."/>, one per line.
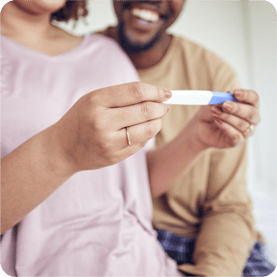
<point x="244" y="34"/>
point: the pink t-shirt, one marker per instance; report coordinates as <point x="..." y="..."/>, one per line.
<point x="98" y="223"/>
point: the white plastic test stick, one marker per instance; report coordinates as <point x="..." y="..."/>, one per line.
<point x="199" y="97"/>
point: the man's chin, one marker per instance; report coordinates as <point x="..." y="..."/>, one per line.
<point x="134" y="47"/>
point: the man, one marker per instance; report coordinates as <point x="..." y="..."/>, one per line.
<point x="205" y="220"/>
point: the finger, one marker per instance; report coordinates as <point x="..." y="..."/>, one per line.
<point x="138" y="133"/>
<point x="239" y="124"/>
<point x="136" y="114"/>
<point x="234" y="137"/>
<point x="130" y="150"/>
<point x="247" y="96"/>
<point x="244" y="111"/>
<point x="129" y="94"/>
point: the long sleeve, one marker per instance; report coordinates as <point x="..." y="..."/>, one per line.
<point x="210" y="203"/>
<point x="227" y="226"/>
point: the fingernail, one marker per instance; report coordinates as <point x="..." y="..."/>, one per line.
<point x="168" y="93"/>
<point x="239" y="94"/>
<point x="227" y="106"/>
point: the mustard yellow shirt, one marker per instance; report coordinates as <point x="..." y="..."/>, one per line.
<point x="211" y="201"/>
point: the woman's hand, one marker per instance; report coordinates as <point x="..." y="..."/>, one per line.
<point x="231" y="123"/>
<point x="92" y="134"/>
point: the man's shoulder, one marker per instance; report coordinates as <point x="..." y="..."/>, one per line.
<point x="203" y="68"/>
<point x="201" y="59"/>
<point x="104" y="32"/>
<point x="196" y="51"/>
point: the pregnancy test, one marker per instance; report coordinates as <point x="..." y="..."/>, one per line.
<point x="199" y="97"/>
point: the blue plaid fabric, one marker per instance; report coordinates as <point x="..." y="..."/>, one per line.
<point x="181" y="248"/>
<point x="258" y="264"/>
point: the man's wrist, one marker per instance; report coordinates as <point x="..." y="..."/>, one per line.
<point x="195" y="141"/>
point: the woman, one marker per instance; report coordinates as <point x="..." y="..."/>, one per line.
<point x="69" y="206"/>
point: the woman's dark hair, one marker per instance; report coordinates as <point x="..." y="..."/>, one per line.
<point x="72" y="9"/>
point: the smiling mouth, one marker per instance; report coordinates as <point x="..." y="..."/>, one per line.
<point x="148" y="12"/>
<point x="146" y="15"/>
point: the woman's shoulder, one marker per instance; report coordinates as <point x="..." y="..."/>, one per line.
<point x="106" y="43"/>
<point x="109" y="50"/>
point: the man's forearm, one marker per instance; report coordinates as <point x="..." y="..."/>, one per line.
<point x="223" y="244"/>
<point x="29" y="174"/>
<point x="169" y="162"/>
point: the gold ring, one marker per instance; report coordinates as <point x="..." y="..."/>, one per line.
<point x="250" y="129"/>
<point x="128" y="137"/>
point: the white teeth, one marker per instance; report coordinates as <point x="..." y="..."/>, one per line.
<point x="145" y="15"/>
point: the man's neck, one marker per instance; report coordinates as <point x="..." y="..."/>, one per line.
<point x="150" y="57"/>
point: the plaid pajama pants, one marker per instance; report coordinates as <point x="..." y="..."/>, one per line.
<point x="181" y="248"/>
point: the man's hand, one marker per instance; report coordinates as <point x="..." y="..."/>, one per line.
<point x="229" y="124"/>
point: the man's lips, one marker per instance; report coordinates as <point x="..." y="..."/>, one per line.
<point x="147" y="15"/>
<point x="145" y="10"/>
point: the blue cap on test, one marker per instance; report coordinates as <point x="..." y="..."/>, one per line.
<point x="221" y="97"/>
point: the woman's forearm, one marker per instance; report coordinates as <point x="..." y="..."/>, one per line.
<point x="169" y="162"/>
<point x="29" y="174"/>
<point x="85" y="138"/>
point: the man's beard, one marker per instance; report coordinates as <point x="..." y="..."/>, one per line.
<point x="132" y="47"/>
